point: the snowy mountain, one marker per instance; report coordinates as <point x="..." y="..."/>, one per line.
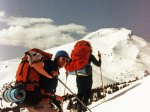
<point x="124" y="57"/>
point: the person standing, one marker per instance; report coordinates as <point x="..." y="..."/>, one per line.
<point x="84" y="85"/>
<point x="82" y="58"/>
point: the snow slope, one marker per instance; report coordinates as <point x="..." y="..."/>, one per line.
<point x="124" y="57"/>
<point x="135" y="98"/>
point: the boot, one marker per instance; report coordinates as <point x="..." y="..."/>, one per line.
<point x="55" y="102"/>
<point x="84" y="108"/>
<point x="60" y="110"/>
<point x="79" y="108"/>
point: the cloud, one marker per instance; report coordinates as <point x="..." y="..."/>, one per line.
<point x="2" y="14"/>
<point x="37" y="32"/>
<point x="27" y="21"/>
<point x="73" y="28"/>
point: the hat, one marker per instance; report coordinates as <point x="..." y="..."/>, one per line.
<point x="62" y="53"/>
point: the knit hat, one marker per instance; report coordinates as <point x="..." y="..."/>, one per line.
<point x="62" y="53"/>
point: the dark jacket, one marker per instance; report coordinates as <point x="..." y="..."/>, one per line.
<point x="49" y="85"/>
<point x="94" y="60"/>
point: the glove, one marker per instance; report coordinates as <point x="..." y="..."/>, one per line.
<point x="65" y="97"/>
<point x="54" y="73"/>
<point x="99" y="55"/>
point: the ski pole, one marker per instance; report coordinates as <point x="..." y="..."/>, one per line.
<point x="65" y="83"/>
<point x="1" y="102"/>
<point x="75" y="96"/>
<point x="99" y="55"/>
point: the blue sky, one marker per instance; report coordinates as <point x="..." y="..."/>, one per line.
<point x="30" y="23"/>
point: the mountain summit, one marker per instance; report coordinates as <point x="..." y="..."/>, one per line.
<point x="124" y="56"/>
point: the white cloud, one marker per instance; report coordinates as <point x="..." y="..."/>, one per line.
<point x="37" y="32"/>
<point x="2" y="14"/>
<point x="27" y="21"/>
<point x="73" y="28"/>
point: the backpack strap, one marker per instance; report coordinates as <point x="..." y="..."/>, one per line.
<point x="38" y="66"/>
<point x="23" y="62"/>
<point x="27" y="77"/>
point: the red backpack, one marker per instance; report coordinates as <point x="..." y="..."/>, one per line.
<point x="80" y="56"/>
<point x="25" y="73"/>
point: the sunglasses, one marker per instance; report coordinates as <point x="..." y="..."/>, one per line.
<point x="65" y="59"/>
